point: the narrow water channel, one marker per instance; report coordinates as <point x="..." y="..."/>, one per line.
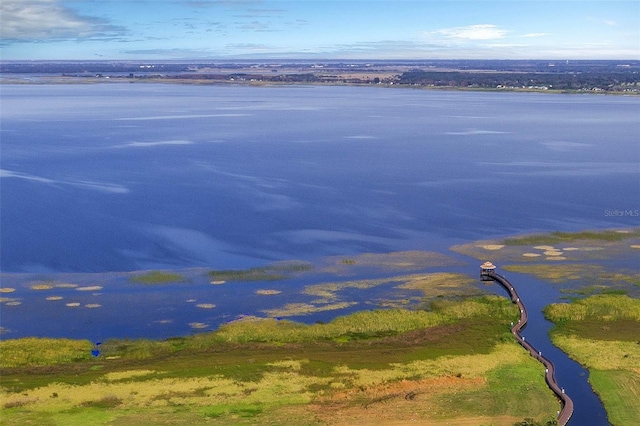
<point x="588" y="409"/>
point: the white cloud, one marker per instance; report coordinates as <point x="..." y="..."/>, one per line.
<point x="41" y="20"/>
<point x="536" y="35"/>
<point x="471" y="32"/>
<point x="250" y="47"/>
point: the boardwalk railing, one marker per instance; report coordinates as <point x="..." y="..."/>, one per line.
<point x="567" y="403"/>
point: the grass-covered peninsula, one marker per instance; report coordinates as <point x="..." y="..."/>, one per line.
<point x="455" y="361"/>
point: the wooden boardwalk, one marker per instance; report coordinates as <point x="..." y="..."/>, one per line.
<point x="567" y="403"/>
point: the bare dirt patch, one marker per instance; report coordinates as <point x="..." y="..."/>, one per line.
<point x="397" y="403"/>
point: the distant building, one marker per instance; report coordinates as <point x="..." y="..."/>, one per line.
<point x="486" y="270"/>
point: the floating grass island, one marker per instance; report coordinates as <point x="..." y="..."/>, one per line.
<point x="275" y="272"/>
<point x="158" y="277"/>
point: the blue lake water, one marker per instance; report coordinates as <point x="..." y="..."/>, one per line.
<point x="117" y="177"/>
<point x="102" y="178"/>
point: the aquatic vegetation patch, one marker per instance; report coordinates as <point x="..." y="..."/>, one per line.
<point x="198" y="325"/>
<point x="440" y="284"/>
<point x="158" y="277"/>
<point x="328" y="292"/>
<point x="10" y="301"/>
<point x="555" y="246"/>
<point x="298" y="309"/>
<point x="579" y="275"/>
<point x="41" y="286"/>
<point x="50" y="284"/>
<point x="430" y="285"/>
<point x="89" y="288"/>
<point x="267" y="292"/>
<point x="66" y="285"/>
<point x="277" y="271"/>
<point x="556" y="273"/>
<point x="554" y="238"/>
<point x="492" y="246"/>
<point x="205" y="305"/>
<point x="394" y="261"/>
<point x="403" y="260"/>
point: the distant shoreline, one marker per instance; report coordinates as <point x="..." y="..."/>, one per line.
<point x="601" y="77"/>
<point x="64" y="80"/>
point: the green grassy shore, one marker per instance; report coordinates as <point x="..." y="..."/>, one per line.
<point x="603" y="334"/>
<point x="445" y="358"/>
<point x="455" y="362"/>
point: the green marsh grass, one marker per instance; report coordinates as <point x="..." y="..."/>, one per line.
<point x="620" y="393"/>
<point x="260" y="370"/>
<point x="514" y="388"/>
<point x="33" y="351"/>
<point x="357" y="326"/>
<point x="602" y="333"/>
<point x="564" y="237"/>
<point x="607" y="307"/>
<point x="583" y="278"/>
<point x="158" y="277"/>
<point x="275" y="272"/>
<point x="374" y="323"/>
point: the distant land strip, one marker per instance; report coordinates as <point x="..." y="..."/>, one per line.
<point x="612" y="77"/>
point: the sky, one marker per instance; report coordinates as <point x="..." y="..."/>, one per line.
<point x="318" y="29"/>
